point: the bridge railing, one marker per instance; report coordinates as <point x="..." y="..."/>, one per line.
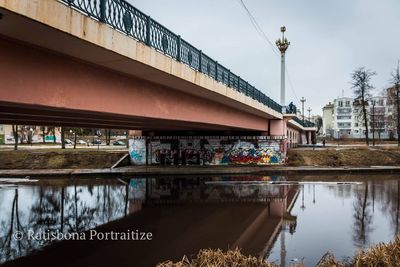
<point x="305" y="123"/>
<point x="125" y="18"/>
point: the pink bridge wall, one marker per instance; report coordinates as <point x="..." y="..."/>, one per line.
<point x="32" y="76"/>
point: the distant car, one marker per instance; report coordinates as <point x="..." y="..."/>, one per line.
<point x="68" y="142"/>
<point x="96" y="142"/>
<point x="81" y="142"/>
<point x="118" y="143"/>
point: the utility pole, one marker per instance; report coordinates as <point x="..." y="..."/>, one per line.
<point x="302" y="100"/>
<point x="309" y="113"/>
<point x="373" y="122"/>
<point x="283" y="45"/>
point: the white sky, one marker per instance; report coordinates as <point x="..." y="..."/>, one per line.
<point x="329" y="39"/>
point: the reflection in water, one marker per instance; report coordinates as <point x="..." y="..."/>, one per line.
<point x="43" y="209"/>
<point x="362" y="217"/>
<point x="340" y="218"/>
<point x="278" y="221"/>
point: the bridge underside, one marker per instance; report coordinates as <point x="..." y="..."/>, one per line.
<point x="40" y="87"/>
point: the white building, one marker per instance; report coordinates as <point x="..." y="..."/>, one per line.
<point x="344" y="118"/>
<point x="327" y="120"/>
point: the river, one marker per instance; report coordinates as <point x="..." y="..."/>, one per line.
<point x="143" y="221"/>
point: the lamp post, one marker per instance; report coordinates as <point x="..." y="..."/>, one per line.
<point x="30" y="135"/>
<point x="302" y="100"/>
<point x="303" y="206"/>
<point x="309" y="113"/>
<point x="313" y="194"/>
<point x="282" y="45"/>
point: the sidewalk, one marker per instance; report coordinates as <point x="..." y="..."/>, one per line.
<point x="198" y="170"/>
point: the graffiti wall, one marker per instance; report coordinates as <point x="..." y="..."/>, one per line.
<point x="207" y="151"/>
<point x="137" y="151"/>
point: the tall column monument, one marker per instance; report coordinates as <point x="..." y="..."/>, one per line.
<point x="283" y="45"/>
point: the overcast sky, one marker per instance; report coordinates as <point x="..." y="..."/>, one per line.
<point x="329" y="39"/>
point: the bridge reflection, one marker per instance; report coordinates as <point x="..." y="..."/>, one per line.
<point x="184" y="215"/>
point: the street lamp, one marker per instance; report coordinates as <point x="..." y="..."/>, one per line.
<point x="31" y="134"/>
<point x="282" y="45"/>
<point x="309" y="113"/>
<point x="302" y="100"/>
<point x="313" y="194"/>
<point x="98" y="139"/>
<point x="303" y="206"/>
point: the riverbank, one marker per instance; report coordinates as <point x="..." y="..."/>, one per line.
<point x="89" y="163"/>
<point x="337" y="157"/>
<point x="58" y="159"/>
<point x="152" y="171"/>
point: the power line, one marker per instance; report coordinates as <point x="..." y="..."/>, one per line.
<point x="258" y="28"/>
<point x="260" y="31"/>
<point x="290" y="83"/>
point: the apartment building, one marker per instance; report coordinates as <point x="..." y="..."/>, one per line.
<point x="344" y="118"/>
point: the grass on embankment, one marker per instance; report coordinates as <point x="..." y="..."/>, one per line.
<point x="58" y="159"/>
<point x="360" y="157"/>
<point x="385" y="255"/>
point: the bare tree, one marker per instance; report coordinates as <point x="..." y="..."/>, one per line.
<point x="62" y="138"/>
<point x="43" y="129"/>
<point x="396" y="80"/>
<point x="372" y="115"/>
<point x="15" y="133"/>
<point x="361" y="81"/>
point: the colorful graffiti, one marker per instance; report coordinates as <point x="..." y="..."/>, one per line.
<point x="137" y="151"/>
<point x="210" y="152"/>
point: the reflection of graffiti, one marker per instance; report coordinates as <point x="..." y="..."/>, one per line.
<point x="208" y="151"/>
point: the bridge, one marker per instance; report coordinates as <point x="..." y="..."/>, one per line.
<point x="105" y="64"/>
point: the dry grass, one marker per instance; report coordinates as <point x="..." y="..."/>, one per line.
<point x="361" y="157"/>
<point x="329" y="260"/>
<point x="68" y="159"/>
<point x="385" y="255"/>
<point x="218" y="258"/>
<point x="380" y="255"/>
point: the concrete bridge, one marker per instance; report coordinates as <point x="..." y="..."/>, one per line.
<point x="105" y="64"/>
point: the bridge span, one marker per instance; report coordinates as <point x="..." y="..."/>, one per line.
<point x="105" y="64"/>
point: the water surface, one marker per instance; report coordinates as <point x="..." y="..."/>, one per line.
<point x="265" y="216"/>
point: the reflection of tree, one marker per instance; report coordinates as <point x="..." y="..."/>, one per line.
<point x="45" y="211"/>
<point x="57" y="209"/>
<point x="395" y="218"/>
<point x="362" y="218"/>
<point x="10" y="247"/>
<point x="79" y="215"/>
<point x="391" y="204"/>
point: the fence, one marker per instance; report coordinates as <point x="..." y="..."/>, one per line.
<point x="125" y="18"/>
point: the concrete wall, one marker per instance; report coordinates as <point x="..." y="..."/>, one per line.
<point x="206" y="151"/>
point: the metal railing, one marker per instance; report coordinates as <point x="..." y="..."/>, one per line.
<point x="125" y="18"/>
<point x="305" y="123"/>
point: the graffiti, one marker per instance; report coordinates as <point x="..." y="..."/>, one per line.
<point x="248" y="153"/>
<point x="137" y="151"/>
<point x="209" y="152"/>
